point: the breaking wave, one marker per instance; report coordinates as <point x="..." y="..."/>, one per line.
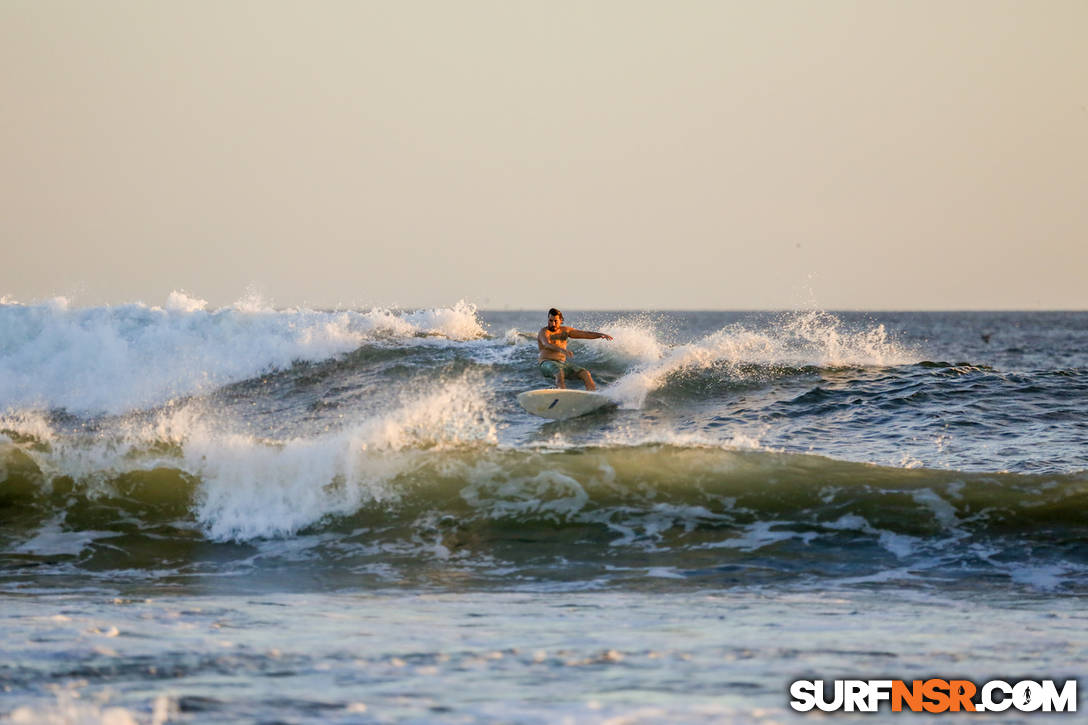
<point x="115" y="359"/>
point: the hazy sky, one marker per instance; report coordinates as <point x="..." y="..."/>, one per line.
<point x="759" y="154"/>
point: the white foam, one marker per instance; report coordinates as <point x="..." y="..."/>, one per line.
<point x="635" y="436"/>
<point x="799" y="340"/>
<point x="458" y="322"/>
<point x="515" y="337"/>
<point x="115" y="359"/>
<point x="181" y="302"/>
<point x="69" y="709"/>
<point x="27" y="423"/>
<point x="94" y="459"/>
<point x="252" y="488"/>
<point x="255" y="489"/>
<point x="634" y="342"/>
<point x="52" y="540"/>
<point x="1045" y="577"/>
<point x="758" y="535"/>
<point x="943" y="511"/>
<point x="900" y="545"/>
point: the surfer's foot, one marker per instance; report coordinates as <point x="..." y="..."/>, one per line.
<point x="588" y="380"/>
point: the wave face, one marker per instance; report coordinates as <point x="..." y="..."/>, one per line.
<point x="586" y="515"/>
<point x="115" y="359"/>
<point x="180" y="443"/>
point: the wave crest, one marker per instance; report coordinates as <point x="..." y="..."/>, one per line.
<point x="115" y="359"/>
<point x="797" y="341"/>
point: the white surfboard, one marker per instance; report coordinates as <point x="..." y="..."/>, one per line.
<point x="562" y="404"/>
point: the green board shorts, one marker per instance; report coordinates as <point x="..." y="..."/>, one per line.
<point x="550" y="369"/>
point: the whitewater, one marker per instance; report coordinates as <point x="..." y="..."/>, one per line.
<point x="170" y="470"/>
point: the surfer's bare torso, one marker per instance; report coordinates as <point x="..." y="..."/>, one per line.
<point x="549" y="339"/>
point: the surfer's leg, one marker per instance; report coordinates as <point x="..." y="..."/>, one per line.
<point x="588" y="380"/>
<point x="553" y="370"/>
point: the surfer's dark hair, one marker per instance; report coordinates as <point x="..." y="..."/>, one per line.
<point x="555" y="312"/>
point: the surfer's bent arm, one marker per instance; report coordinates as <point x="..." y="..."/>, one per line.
<point x="585" y="335"/>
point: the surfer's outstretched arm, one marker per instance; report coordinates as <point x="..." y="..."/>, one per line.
<point x="585" y="335"/>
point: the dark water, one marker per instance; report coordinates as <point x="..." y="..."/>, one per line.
<point x="169" y="473"/>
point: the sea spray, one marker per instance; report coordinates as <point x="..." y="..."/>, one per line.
<point x="250" y="486"/>
<point x="256" y="489"/>
<point x="797" y="340"/>
<point x="115" y="359"/>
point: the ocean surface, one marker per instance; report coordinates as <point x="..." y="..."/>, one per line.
<point x="250" y="514"/>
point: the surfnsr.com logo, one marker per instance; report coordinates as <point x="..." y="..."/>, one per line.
<point x="934" y="695"/>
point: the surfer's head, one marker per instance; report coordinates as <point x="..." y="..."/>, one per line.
<point x="555" y="318"/>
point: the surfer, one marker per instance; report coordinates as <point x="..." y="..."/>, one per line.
<point x="554" y="355"/>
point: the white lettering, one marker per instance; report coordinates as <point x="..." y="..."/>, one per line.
<point x="1027" y="696"/>
<point x="855" y="695"/>
<point x="1065" y="701"/>
<point x="988" y="701"/>
<point x="879" y="690"/>
<point x="804" y="695"/>
<point x="994" y="696"/>
<point x="836" y="702"/>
